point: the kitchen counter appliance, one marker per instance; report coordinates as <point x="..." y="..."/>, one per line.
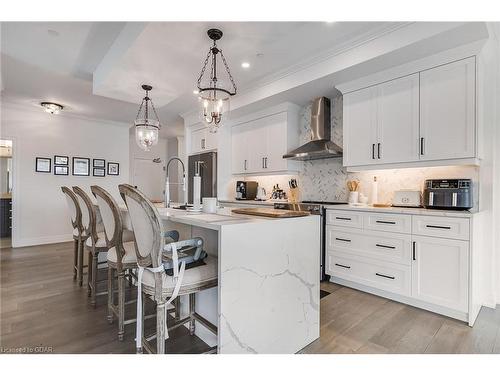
<point x="246" y="190"/>
<point x="407" y="198"/>
<point x="453" y="194"/>
<point x="314" y="208"/>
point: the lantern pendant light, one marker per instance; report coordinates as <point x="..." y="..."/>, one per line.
<point x="213" y="96"/>
<point x="146" y="127"/>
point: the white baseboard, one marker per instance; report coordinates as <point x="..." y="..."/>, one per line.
<point x="33" y="241"/>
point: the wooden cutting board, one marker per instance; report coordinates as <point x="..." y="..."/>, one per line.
<point x="269" y="212"/>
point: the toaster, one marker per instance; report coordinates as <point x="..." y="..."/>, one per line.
<point x="407" y="198"/>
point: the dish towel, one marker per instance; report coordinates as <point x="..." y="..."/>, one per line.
<point x="178" y="276"/>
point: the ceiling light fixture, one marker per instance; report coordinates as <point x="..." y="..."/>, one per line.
<point x="52" y="108"/>
<point x="146" y="127"/>
<point x="213" y="95"/>
<point x="196" y="92"/>
<point x="245" y="65"/>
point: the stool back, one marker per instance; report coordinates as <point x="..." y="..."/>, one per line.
<point x="88" y="213"/>
<point x="147" y="226"/>
<point x="74" y="209"/>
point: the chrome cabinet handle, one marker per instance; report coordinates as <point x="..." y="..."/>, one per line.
<point x="385" y="246"/>
<point x="341" y="265"/>
<point x="382" y="275"/>
<point x="342" y="239"/>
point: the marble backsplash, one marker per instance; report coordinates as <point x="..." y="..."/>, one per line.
<point x="326" y="179"/>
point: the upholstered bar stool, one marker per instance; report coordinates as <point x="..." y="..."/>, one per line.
<point x="95" y="243"/>
<point x="150" y="246"/>
<point x="79" y="235"/>
<point x="121" y="255"/>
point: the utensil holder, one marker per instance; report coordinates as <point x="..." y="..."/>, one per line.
<point x="294" y="195"/>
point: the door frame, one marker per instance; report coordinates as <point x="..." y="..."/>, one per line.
<point x="15" y="183"/>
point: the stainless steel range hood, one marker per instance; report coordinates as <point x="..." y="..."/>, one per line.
<point x="320" y="146"/>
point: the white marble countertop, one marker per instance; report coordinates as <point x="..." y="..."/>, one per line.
<point x="404" y="210"/>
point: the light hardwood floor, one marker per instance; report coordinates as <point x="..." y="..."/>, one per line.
<point x="41" y="306"/>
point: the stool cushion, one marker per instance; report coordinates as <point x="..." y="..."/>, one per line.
<point x="194" y="278"/>
<point x="129" y="258"/>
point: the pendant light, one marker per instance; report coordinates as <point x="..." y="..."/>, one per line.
<point x="146" y="127"/>
<point x="214" y="95"/>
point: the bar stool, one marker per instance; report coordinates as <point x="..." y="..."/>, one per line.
<point x="79" y="235"/>
<point x="150" y="245"/>
<point x="120" y="256"/>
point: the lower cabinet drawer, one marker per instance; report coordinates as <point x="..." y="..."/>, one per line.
<point x="438" y="226"/>
<point x="352" y="219"/>
<point x="397" y="223"/>
<point x="382" y="246"/>
<point x="393" y="278"/>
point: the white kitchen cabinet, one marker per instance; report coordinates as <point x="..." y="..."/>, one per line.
<point x="258" y="145"/>
<point x="360" y="127"/>
<point x="440" y="272"/>
<point x="202" y="140"/>
<point x="381" y="123"/>
<point x="397" y="120"/>
<point x="447" y="111"/>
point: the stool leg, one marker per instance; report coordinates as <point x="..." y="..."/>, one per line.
<point x="160" y="327"/>
<point x="110" y="294"/>
<point x="80" y="263"/>
<point x="93" y="259"/>
<point x="75" y="258"/>
<point x="121" y="304"/>
<point x="90" y="273"/>
<point x="192" y="308"/>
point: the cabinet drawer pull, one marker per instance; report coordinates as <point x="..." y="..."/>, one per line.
<point x="437" y="226"/>
<point x="378" y="150"/>
<point x="265" y="162"/>
<point x="341" y="265"/>
<point x="421" y="145"/>
<point x="385" y="222"/>
<point x="414" y="250"/>
<point x="373" y="151"/>
<point x="342" y="239"/>
<point x="382" y="275"/>
<point x="385" y="246"/>
<point x="263" y="166"/>
<point x="342" y="218"/>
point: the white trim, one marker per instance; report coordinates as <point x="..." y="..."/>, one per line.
<point x="33" y="241"/>
<point x="416" y="164"/>
<point x="403" y="299"/>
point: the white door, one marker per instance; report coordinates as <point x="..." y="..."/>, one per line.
<point x="397" y="120"/>
<point x="239" y="150"/>
<point x="276" y="144"/>
<point x="256" y="138"/>
<point x="447" y="111"/>
<point x="440" y="271"/>
<point x="198" y="140"/>
<point x="149" y="177"/>
<point x="360" y="127"/>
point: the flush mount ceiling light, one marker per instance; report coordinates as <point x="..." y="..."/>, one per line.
<point x="52" y="108"/>
<point x="245" y="65"/>
<point x="214" y="93"/>
<point x="146" y="127"/>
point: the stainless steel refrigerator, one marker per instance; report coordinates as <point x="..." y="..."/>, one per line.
<point x="208" y="173"/>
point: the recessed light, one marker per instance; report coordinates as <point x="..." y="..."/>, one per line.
<point x="245" y="65"/>
<point x="196" y="92"/>
<point x="52" y="108"/>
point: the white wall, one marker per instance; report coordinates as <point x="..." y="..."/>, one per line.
<point x="40" y="214"/>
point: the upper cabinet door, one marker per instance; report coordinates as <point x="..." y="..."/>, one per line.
<point x="256" y="138"/>
<point x="276" y="143"/>
<point x="397" y="120"/>
<point x="360" y="127"/>
<point x="447" y="111"/>
<point x="239" y="149"/>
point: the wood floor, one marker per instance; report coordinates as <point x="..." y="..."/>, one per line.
<point x="42" y="307"/>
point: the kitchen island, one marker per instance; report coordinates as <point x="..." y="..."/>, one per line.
<point x="267" y="298"/>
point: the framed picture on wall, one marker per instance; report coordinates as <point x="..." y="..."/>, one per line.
<point x="99" y="163"/>
<point x="99" y="172"/>
<point x="43" y="165"/>
<point x="61" y="160"/>
<point x="81" y="166"/>
<point x="113" y="169"/>
<point x="61" y="170"/>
